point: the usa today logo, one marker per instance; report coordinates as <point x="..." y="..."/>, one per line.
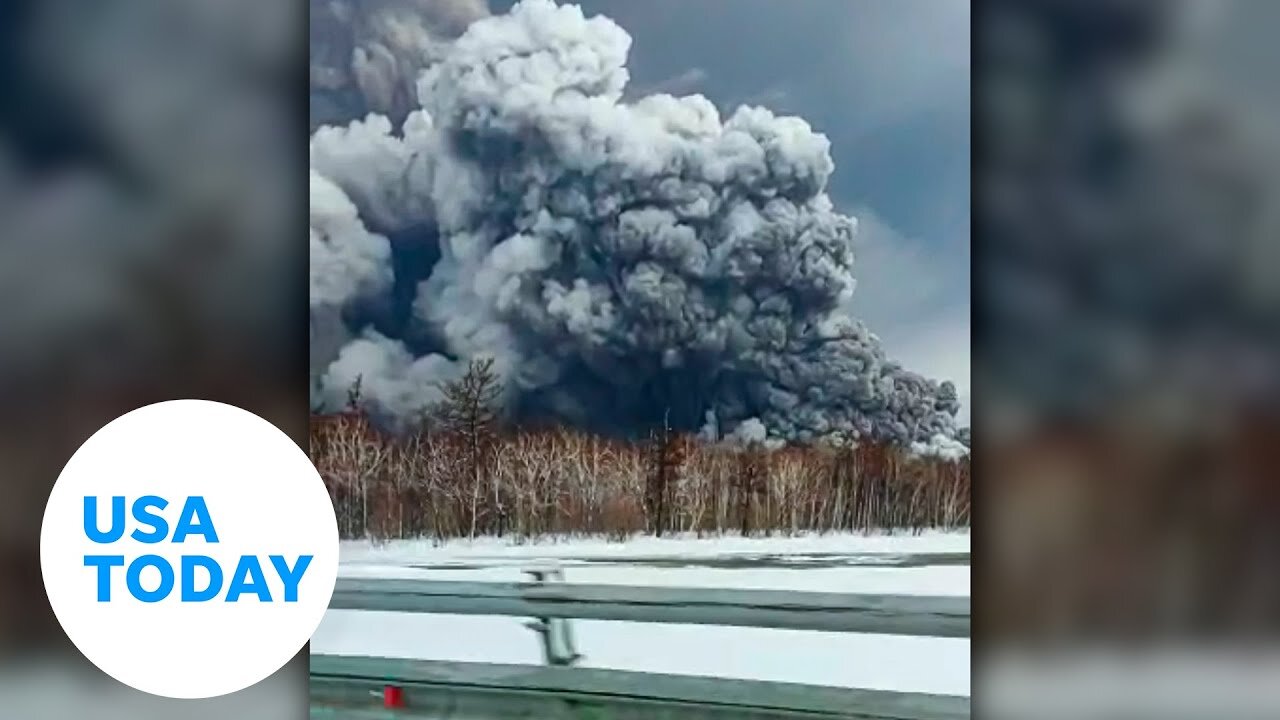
<point x="248" y="576"/>
<point x="189" y="549"/>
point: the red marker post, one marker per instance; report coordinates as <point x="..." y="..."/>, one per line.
<point x="392" y="697"/>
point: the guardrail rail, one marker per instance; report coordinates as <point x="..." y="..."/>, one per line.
<point x="368" y="688"/>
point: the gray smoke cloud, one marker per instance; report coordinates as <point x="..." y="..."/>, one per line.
<point x="346" y="259"/>
<point x="366" y="55"/>
<point x="620" y="261"/>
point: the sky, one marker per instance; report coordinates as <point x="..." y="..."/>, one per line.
<point x="888" y="82"/>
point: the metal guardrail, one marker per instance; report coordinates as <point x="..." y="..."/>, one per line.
<point x="350" y="688"/>
<point x="363" y="688"/>
<point x="832" y="612"/>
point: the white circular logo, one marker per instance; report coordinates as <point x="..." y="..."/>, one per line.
<point x="189" y="549"/>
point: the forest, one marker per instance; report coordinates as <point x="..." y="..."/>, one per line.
<point x="463" y="472"/>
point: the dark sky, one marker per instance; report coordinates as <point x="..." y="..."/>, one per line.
<point x="888" y="82"/>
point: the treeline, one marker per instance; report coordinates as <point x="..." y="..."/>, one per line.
<point x="461" y="474"/>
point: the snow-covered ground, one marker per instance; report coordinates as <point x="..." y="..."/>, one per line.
<point x="930" y="564"/>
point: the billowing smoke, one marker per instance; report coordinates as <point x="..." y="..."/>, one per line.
<point x="621" y="262"/>
<point x="346" y="259"/>
<point x="941" y="446"/>
<point x="366" y="55"/>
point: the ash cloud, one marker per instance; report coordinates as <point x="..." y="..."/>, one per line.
<point x="366" y="55"/>
<point x="623" y="262"/>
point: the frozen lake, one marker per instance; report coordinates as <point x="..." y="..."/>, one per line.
<point x="930" y="564"/>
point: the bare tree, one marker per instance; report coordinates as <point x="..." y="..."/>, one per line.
<point x="351" y="455"/>
<point x="353" y="394"/>
<point x="751" y="482"/>
<point x="440" y="480"/>
<point x="470" y="408"/>
<point x="666" y="456"/>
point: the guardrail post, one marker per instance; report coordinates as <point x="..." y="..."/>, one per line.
<point x="558" y="647"/>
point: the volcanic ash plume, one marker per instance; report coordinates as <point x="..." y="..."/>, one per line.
<point x="367" y="54"/>
<point x="621" y="262"/>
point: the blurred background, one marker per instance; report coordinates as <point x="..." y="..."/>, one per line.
<point x="152" y="160"/>
<point x="1126" y="313"/>
<point x="1126" y="318"/>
